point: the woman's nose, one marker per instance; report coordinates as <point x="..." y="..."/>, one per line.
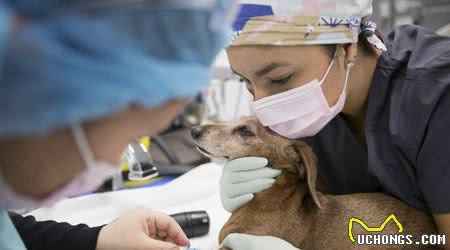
<point x="262" y="93"/>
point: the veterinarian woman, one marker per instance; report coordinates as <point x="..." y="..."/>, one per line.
<point x="78" y="81"/>
<point x="376" y="111"/>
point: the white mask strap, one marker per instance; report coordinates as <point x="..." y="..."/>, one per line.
<point x="347" y="75"/>
<point x="82" y="144"/>
<point x="329" y="67"/>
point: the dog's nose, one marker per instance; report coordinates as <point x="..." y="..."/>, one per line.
<point x="196" y="132"/>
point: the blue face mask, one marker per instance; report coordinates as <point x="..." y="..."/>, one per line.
<point x="72" y="63"/>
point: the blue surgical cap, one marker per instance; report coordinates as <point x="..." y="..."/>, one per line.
<point x="57" y="70"/>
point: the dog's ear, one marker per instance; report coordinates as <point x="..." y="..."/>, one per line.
<point x="307" y="168"/>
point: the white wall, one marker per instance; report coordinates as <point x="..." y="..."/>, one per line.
<point x="226" y="98"/>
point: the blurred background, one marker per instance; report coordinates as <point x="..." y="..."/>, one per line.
<point x="432" y="14"/>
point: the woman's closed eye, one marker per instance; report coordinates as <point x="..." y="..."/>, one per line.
<point x="281" y="80"/>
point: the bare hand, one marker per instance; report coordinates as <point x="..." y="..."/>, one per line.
<point x="142" y="229"/>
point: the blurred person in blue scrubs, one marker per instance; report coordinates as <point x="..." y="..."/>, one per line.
<point x="78" y="81"/>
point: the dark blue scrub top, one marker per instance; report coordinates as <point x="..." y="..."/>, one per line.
<point x="407" y="127"/>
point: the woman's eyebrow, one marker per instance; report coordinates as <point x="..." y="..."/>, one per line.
<point x="269" y="68"/>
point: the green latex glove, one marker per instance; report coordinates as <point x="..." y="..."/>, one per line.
<point x="237" y="241"/>
<point x="243" y="177"/>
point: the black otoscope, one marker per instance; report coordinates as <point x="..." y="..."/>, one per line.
<point x="194" y="223"/>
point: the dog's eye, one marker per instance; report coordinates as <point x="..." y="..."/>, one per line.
<point x="244" y="131"/>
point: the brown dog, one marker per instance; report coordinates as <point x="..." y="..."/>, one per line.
<point x="292" y="209"/>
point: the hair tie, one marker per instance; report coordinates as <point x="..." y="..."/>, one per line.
<point x="368" y="28"/>
<point x="368" y="31"/>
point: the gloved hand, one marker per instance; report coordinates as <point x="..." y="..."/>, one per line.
<point x="237" y="241"/>
<point x="243" y="177"/>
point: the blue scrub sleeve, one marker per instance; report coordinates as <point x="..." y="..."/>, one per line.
<point x="9" y="237"/>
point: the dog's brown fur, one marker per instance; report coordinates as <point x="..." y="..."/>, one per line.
<point x="292" y="209"/>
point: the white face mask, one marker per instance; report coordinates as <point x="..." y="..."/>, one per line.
<point x="95" y="173"/>
<point x="302" y="111"/>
